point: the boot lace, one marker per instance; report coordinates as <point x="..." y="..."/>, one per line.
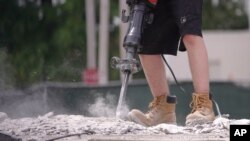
<point x="198" y="103"/>
<point x="154" y="103"/>
<point x="152" y="106"/>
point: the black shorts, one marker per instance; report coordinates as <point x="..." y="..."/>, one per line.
<point x="172" y="20"/>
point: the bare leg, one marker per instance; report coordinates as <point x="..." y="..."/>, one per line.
<point x="154" y="69"/>
<point x="155" y="73"/>
<point x="198" y="61"/>
<point x="162" y="107"/>
<point x="202" y="106"/>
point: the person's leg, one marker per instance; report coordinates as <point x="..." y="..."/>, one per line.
<point x="198" y="62"/>
<point x="160" y="37"/>
<point x="153" y="67"/>
<point x="202" y="109"/>
<point x="162" y="108"/>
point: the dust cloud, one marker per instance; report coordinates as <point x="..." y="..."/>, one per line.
<point x="105" y="106"/>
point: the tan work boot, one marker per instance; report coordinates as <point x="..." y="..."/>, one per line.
<point x="202" y="110"/>
<point x="161" y="111"/>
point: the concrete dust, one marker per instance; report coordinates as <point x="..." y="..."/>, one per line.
<point x="49" y="126"/>
<point x="103" y="106"/>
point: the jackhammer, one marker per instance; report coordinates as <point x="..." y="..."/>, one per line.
<point x="138" y="17"/>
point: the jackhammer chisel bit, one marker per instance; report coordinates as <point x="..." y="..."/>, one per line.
<point x="130" y="65"/>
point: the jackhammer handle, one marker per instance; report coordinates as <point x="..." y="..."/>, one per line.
<point x="133" y="36"/>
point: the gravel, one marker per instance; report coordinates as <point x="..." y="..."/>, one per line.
<point x="50" y="126"/>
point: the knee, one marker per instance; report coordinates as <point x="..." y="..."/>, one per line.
<point x="191" y="41"/>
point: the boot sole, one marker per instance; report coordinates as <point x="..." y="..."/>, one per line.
<point x="134" y="119"/>
<point x="131" y="117"/>
<point x="198" y="121"/>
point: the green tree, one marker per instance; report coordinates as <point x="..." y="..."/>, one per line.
<point x="44" y="42"/>
<point x="228" y="14"/>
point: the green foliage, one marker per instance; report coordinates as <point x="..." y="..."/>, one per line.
<point x="228" y="14"/>
<point x="6" y="78"/>
<point x="49" y="47"/>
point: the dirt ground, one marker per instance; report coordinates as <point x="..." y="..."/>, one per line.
<point x="79" y="128"/>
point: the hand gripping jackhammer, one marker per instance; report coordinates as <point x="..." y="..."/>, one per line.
<point x="137" y="17"/>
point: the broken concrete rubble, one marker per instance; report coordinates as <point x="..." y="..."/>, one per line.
<point x="50" y="125"/>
